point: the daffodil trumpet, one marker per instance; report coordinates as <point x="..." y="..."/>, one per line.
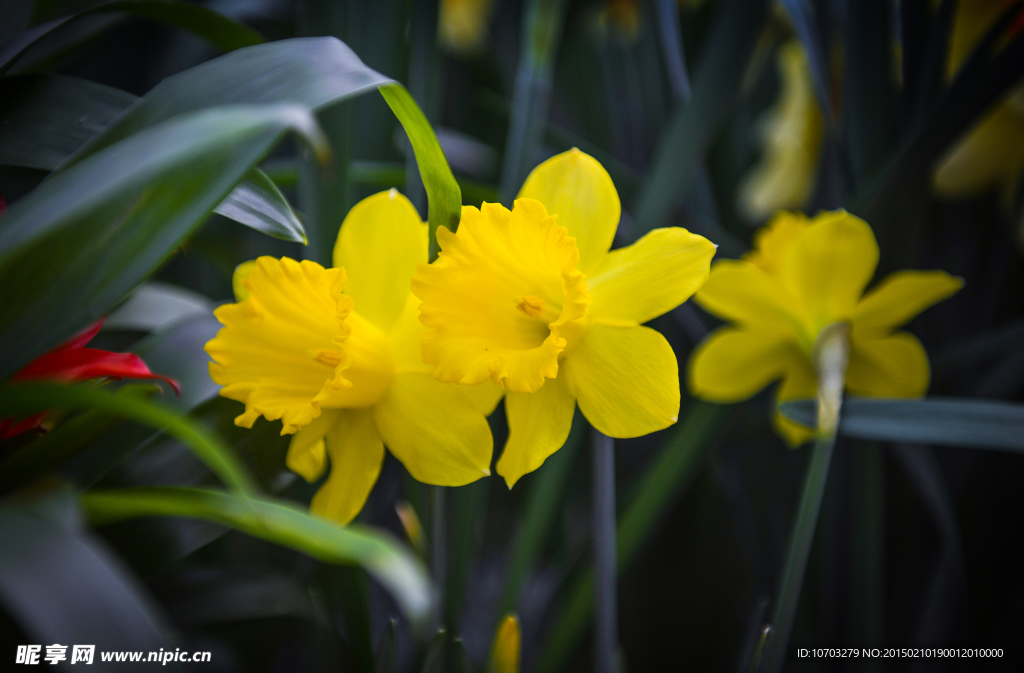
<point x="803" y="276"/>
<point x="532" y="301"/>
<point x="335" y="355"/>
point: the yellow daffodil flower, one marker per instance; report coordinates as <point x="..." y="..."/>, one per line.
<point x="803" y="276"/>
<point x="462" y="24"/>
<point x="991" y="154"/>
<point x="790" y="133"/>
<point x="337" y="359"/>
<point x="533" y="300"/>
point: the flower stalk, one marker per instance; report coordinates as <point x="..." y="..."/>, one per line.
<point x="831" y="355"/>
<point x="606" y="637"/>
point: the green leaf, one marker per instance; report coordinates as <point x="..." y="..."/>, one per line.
<point x="177" y="352"/>
<point x="216" y="28"/>
<point x="443" y="192"/>
<point x="314" y="72"/>
<point x="692" y="128"/>
<point x="45" y="118"/>
<point x="258" y="203"/>
<point x="25" y="399"/>
<point x="61" y="585"/>
<point x="280" y="522"/>
<point x="942" y="421"/>
<point x="72" y="248"/>
<point x="155" y="306"/>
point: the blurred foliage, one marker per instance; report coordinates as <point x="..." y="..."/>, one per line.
<point x="135" y="137"/>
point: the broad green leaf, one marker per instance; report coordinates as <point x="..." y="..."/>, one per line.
<point x="156" y="306"/>
<point x="393" y="565"/>
<point x="45" y="118"/>
<point x="692" y="128"/>
<point x="25" y="399"/>
<point x="315" y="72"/>
<point x="71" y="249"/>
<point x="935" y="420"/>
<point x="61" y="585"/>
<point x="177" y="351"/>
<point x="257" y="202"/>
<point x="206" y="23"/>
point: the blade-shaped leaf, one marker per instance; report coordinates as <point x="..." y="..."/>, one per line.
<point x="206" y="23"/>
<point x="257" y="202"/>
<point x="936" y="420"/>
<point x="62" y="586"/>
<point x="443" y="191"/>
<point x="25" y="399"/>
<point x="45" y="118"/>
<point x="313" y="72"/>
<point x="393" y="565"/>
<point x="77" y="244"/>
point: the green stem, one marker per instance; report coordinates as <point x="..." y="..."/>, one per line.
<point x="606" y="637"/>
<point x="799" y="549"/>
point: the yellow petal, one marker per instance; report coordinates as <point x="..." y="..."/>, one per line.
<point x="626" y="380"/>
<point x="900" y="297"/>
<point x="576" y="187"/>
<point x="435" y="429"/>
<point x="829" y="265"/>
<point x="741" y="292"/>
<point x="989" y="156"/>
<point x="357" y="454"/>
<point x="280" y="351"/>
<point x="307" y="451"/>
<point x="895" y="366"/>
<point x="652" y="276"/>
<point x="734" y="364"/>
<point x="500" y="296"/>
<point x="241" y="272"/>
<point x="505" y="653"/>
<point x="538" y="425"/>
<point x="380" y="243"/>
<point x="773" y="241"/>
<point x="791" y="133"/>
<point x="407" y="335"/>
<point x="800" y="383"/>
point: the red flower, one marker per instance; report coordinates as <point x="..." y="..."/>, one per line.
<point x="71" y="362"/>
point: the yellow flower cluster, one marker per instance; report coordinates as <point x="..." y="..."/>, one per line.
<point x="368" y="354"/>
<point x="529" y="304"/>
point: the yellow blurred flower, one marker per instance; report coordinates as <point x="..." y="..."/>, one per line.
<point x="790" y="134"/>
<point x="804" y="275"/>
<point x="348" y="382"/>
<point x="532" y="299"/>
<point x="505" y="653"/>
<point x="462" y="24"/>
<point x="991" y="154"/>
